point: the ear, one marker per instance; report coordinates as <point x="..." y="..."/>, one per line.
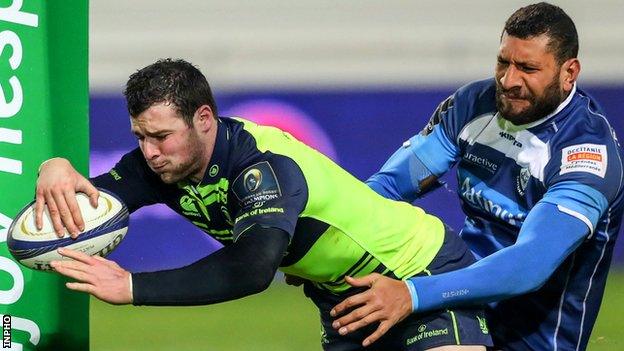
<point x="569" y="73"/>
<point x="204" y="119"/>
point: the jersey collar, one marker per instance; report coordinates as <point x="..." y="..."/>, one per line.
<point x="218" y="161"/>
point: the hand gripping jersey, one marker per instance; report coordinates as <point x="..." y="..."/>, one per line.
<point x="263" y="176"/>
<point x="570" y="159"/>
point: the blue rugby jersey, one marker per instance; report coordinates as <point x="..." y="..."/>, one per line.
<point x="570" y="159"/>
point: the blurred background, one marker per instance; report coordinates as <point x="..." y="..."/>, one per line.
<point x="352" y="78"/>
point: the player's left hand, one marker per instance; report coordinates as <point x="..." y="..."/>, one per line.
<point x="95" y="275"/>
<point x="387" y="301"/>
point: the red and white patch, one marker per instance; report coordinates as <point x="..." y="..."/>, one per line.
<point x="590" y="158"/>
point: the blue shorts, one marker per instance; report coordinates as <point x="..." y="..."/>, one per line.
<point x="461" y="326"/>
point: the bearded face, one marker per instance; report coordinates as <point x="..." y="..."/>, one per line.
<point x="522" y="107"/>
<point x="528" y="79"/>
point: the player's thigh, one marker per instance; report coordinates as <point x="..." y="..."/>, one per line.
<point x="458" y="348"/>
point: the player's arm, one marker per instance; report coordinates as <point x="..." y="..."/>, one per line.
<point x="403" y="177"/>
<point x="263" y="226"/>
<point x="243" y="268"/>
<point x="549" y="234"/>
<point x="415" y="167"/>
<point x="270" y="196"/>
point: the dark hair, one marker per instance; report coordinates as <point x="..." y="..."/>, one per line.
<point x="174" y="81"/>
<point x="544" y="18"/>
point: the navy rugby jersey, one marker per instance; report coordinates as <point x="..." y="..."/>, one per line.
<point x="570" y="159"/>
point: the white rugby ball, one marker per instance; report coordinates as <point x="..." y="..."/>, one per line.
<point x="105" y="227"/>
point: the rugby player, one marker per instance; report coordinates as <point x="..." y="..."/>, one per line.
<point x="540" y="181"/>
<point x="272" y="201"/>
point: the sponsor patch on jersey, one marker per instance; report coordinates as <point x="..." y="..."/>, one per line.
<point x="480" y="161"/>
<point x="590" y="158"/>
<point x="256" y="185"/>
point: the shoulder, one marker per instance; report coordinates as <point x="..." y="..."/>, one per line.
<point x="465" y="104"/>
<point x="479" y="95"/>
<point x="585" y="122"/>
<point x="263" y="137"/>
<point x="585" y="149"/>
<point x="478" y="89"/>
<point x="266" y="176"/>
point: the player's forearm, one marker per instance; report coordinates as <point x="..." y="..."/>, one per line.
<point x="402" y="177"/>
<point x="241" y="269"/>
<point x="548" y="236"/>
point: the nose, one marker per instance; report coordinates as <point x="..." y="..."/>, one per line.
<point x="150" y="149"/>
<point x="510" y="78"/>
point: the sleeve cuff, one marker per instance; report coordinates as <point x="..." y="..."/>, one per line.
<point x="578" y="216"/>
<point x="131" y="289"/>
<point x="413" y="294"/>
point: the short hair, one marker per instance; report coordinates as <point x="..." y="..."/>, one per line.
<point x="544" y="18"/>
<point x="173" y="81"/>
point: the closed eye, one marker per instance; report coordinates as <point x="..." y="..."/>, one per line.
<point x="528" y="69"/>
<point x="161" y="137"/>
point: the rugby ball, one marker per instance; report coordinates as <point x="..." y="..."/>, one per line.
<point x="105" y="227"/>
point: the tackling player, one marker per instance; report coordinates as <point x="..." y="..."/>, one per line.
<point x="272" y="201"/>
<point x="540" y="181"/>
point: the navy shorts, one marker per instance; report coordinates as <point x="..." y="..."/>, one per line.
<point x="461" y="326"/>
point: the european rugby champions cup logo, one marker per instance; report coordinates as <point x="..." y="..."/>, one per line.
<point x="252" y="179"/>
<point x="256" y="185"/>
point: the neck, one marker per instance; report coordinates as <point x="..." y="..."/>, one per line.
<point x="207" y="150"/>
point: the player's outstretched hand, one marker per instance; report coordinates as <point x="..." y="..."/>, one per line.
<point x="57" y="185"/>
<point x="95" y="275"/>
<point x="386" y="301"/>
